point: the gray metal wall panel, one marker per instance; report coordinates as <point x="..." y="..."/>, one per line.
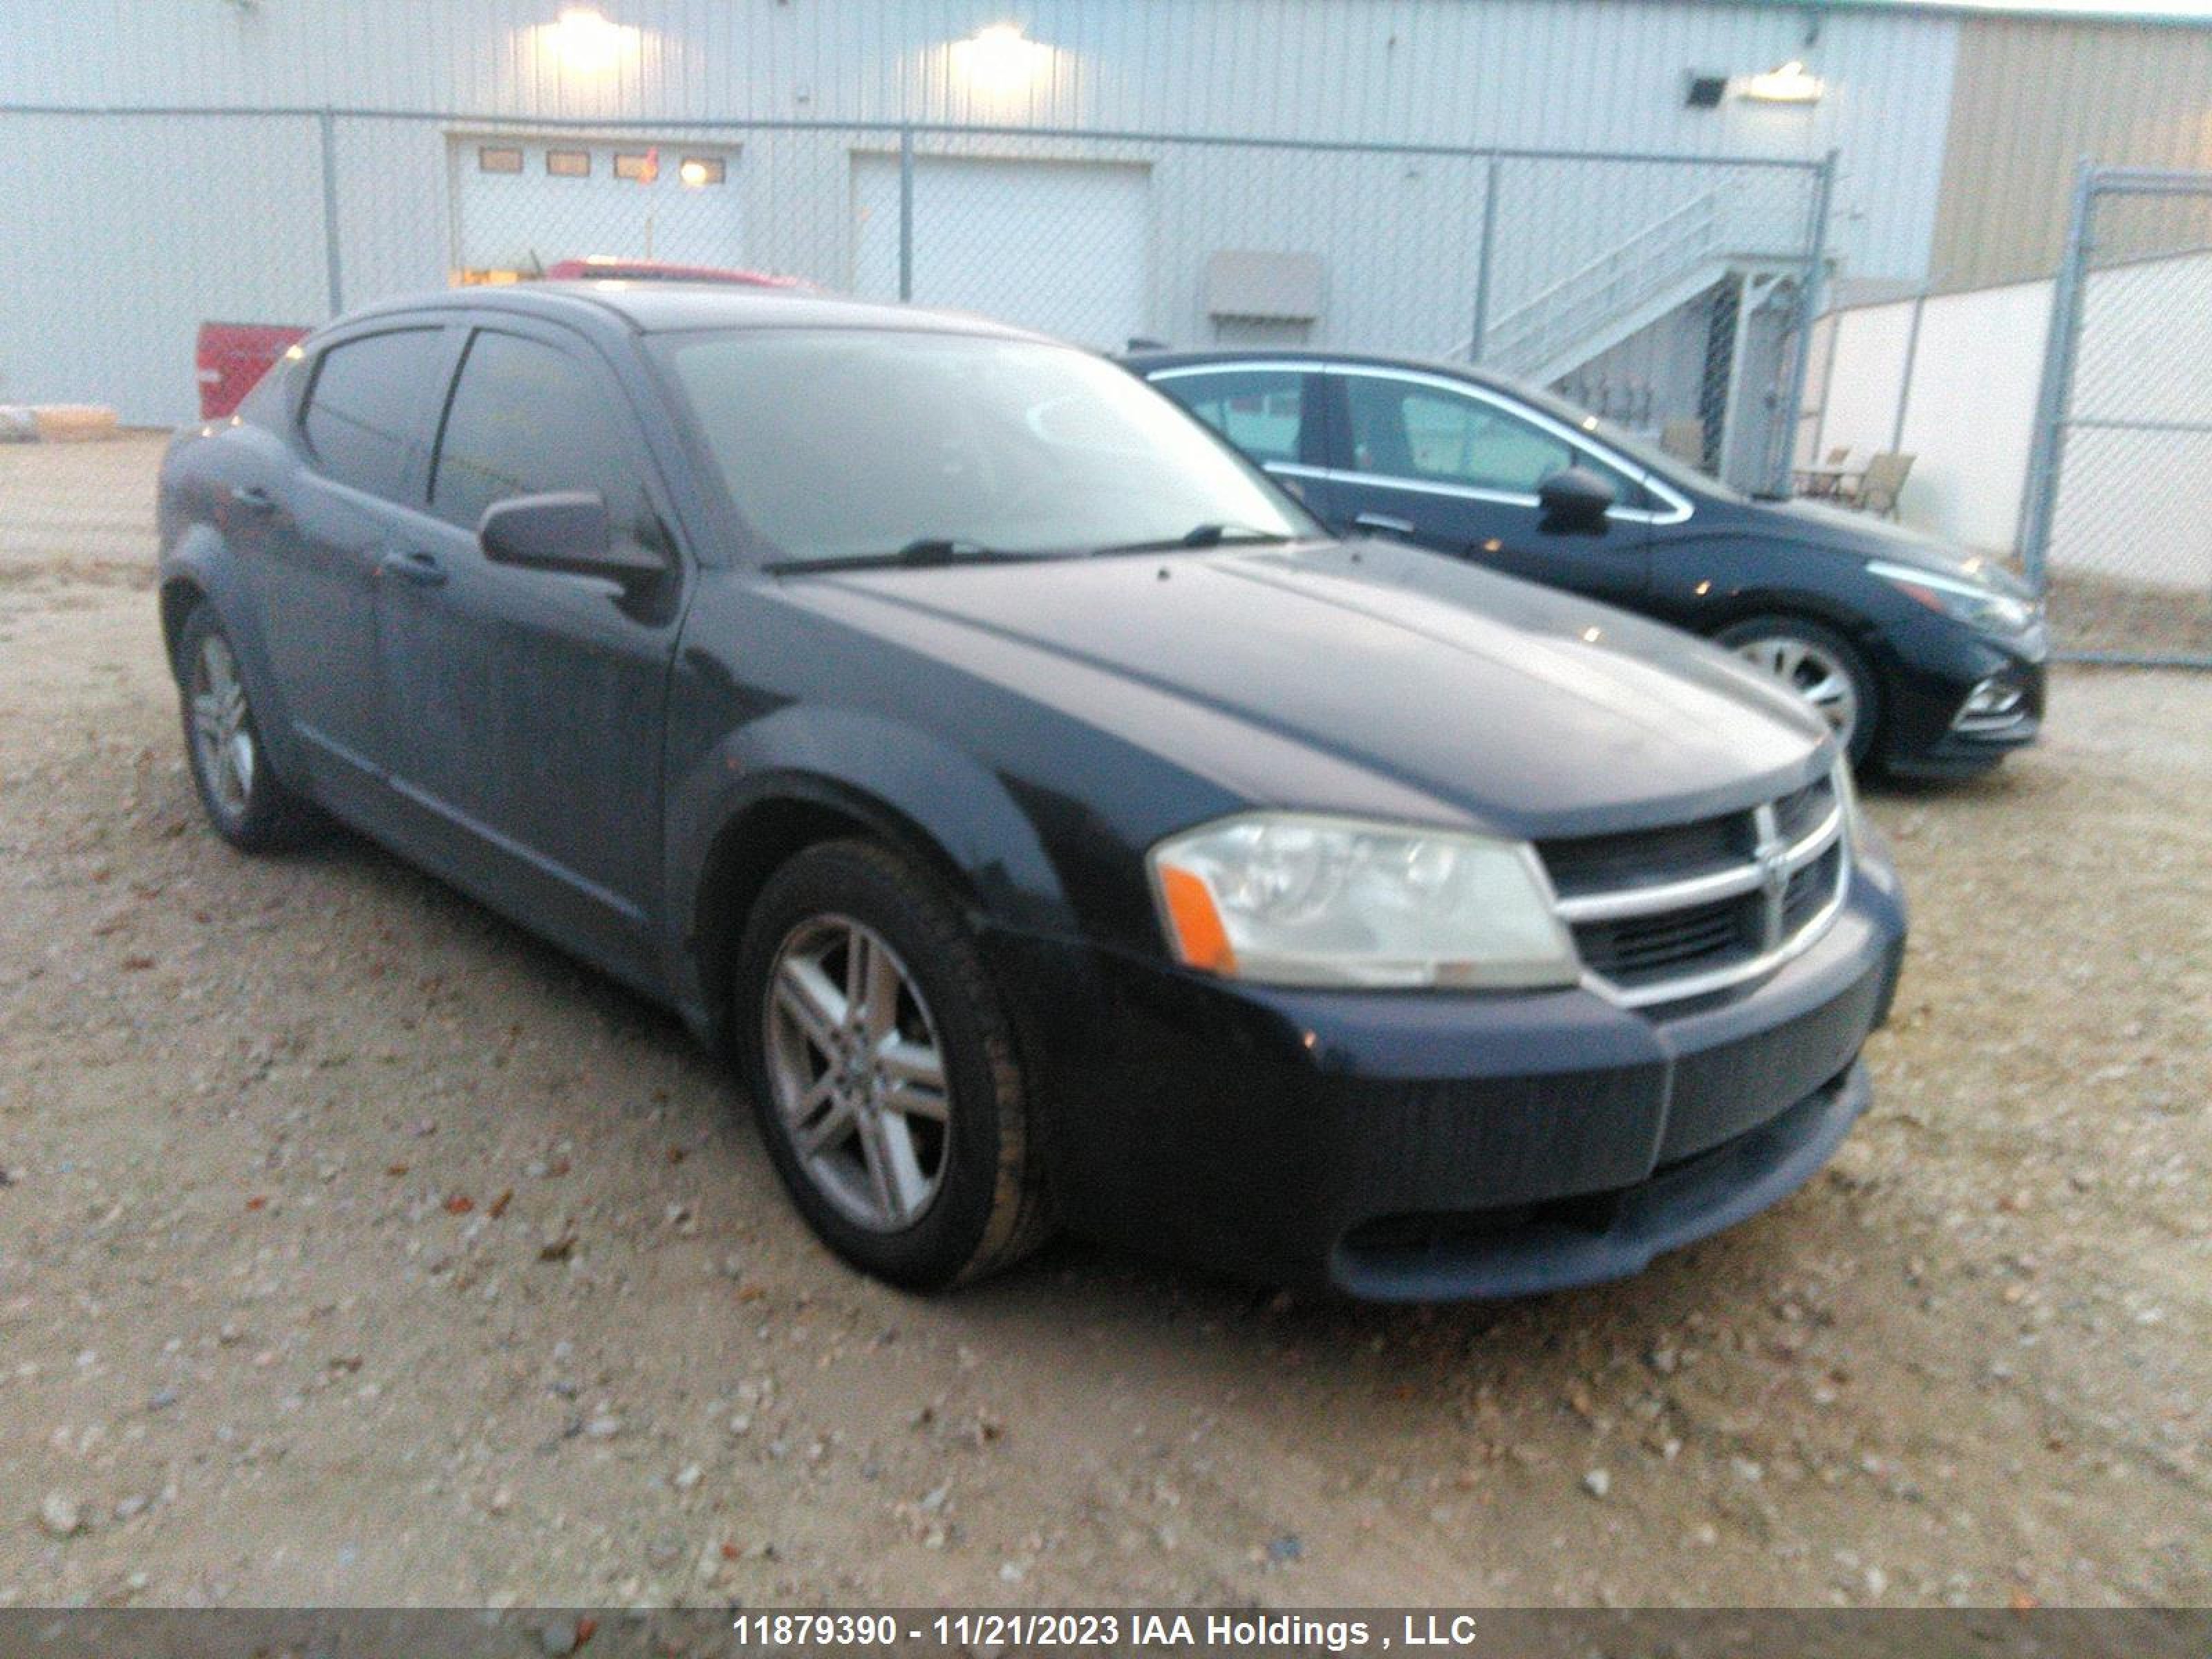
<point x="2031" y="94"/>
<point x="1580" y="73"/>
<point x="107" y="269"/>
<point x="2033" y="97"/>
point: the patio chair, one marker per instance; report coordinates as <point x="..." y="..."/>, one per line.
<point x="1827" y="478"/>
<point x="1684" y="440"/>
<point x="1882" y="483"/>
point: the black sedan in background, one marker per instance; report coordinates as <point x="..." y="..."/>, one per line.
<point x="1924" y="660"/>
<point x="1056" y="823"/>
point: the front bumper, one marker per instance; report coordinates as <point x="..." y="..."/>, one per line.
<point x="1593" y="1240"/>
<point x="1933" y="669"/>
<point x="1416" y="1146"/>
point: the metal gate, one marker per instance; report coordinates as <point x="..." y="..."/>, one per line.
<point x="2117" y="527"/>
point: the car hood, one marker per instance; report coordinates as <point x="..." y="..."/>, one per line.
<point x="1832" y="529"/>
<point x="1362" y="678"/>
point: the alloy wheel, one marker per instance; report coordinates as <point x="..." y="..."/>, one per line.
<point x="857" y="1073"/>
<point x="1814" y="673"/>
<point x="223" y="732"/>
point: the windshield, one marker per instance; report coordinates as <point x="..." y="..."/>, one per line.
<point x="845" y="443"/>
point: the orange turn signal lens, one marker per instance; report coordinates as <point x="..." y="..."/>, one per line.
<point x="1199" y="938"/>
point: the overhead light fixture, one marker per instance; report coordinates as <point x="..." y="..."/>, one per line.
<point x="1792" y="83"/>
<point x="587" y="42"/>
<point x="998" y="59"/>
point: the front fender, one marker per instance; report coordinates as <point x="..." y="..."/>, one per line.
<point x="912" y="787"/>
<point x="1706" y="584"/>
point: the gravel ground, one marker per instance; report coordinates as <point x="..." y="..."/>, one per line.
<point x="2090" y="614"/>
<point x="355" y="1248"/>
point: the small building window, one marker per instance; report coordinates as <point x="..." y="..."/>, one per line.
<point x="569" y="163"/>
<point x="642" y="167"/>
<point x="498" y="158"/>
<point x="703" y="170"/>
<point x="1704" y="91"/>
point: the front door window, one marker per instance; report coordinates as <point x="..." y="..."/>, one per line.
<point x="1430" y="434"/>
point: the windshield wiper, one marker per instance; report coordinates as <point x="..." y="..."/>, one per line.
<point x="922" y="553"/>
<point x="1209" y="534"/>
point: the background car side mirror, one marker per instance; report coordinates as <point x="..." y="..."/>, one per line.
<point x="1575" y="499"/>
<point x="567" y="531"/>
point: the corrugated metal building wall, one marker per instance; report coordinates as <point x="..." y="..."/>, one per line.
<point x="1580" y="74"/>
<point x="2035" y="95"/>
<point x="195" y="219"/>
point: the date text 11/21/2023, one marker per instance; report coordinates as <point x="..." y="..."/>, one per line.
<point x="992" y="1629"/>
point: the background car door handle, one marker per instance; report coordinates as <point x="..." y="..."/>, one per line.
<point x="417" y="566"/>
<point x="1384" y="522"/>
<point x="252" y="498"/>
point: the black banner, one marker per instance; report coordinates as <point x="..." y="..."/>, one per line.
<point x="989" y="1633"/>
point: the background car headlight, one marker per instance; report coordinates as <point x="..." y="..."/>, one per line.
<point x="1287" y="899"/>
<point x="1968" y="602"/>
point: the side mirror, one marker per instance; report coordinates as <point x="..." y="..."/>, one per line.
<point x="1576" y="499"/>
<point x="568" y="530"/>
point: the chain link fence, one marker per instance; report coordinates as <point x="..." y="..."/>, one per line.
<point x="1669" y="292"/>
<point x="2115" y="529"/>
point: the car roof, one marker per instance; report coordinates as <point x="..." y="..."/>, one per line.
<point x="661" y="307"/>
<point x="602" y="267"/>
<point x="1149" y="361"/>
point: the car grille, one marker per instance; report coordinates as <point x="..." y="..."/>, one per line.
<point x="1688" y="909"/>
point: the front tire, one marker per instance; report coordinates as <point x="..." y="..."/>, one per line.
<point x="884" y="1071"/>
<point x="1821" y="666"/>
<point x="238" y="790"/>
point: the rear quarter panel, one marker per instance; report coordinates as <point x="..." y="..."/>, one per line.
<point x="206" y="548"/>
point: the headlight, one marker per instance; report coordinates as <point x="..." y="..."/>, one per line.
<point x="1286" y="899"/>
<point x="1966" y="601"/>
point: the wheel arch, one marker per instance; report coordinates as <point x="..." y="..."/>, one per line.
<point x="807" y="774"/>
<point x="788" y="813"/>
<point x="1786" y="605"/>
<point x="181" y="594"/>
<point x="202" y="570"/>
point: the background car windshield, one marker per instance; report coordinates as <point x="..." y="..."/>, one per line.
<point x="836" y="444"/>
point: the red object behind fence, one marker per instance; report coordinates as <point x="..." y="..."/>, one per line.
<point x="233" y="357"/>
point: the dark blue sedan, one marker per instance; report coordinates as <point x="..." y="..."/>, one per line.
<point x="1054" y="823"/>
<point x="1924" y="659"/>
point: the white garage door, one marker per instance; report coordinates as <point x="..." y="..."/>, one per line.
<point x="526" y="204"/>
<point x="1062" y="247"/>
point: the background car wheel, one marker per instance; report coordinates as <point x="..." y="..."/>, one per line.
<point x="244" y="799"/>
<point x="883" y="1070"/>
<point x="1820" y="665"/>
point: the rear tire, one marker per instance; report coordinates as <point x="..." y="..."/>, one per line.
<point x="240" y="791"/>
<point x="1820" y="665"/>
<point x="884" y="1070"/>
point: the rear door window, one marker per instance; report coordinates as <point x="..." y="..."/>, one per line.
<point x="368" y="406"/>
<point x="1265" y="412"/>
<point x="527" y="419"/>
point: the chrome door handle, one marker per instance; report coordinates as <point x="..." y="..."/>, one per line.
<point x="1384" y="522"/>
<point x="415" y="565"/>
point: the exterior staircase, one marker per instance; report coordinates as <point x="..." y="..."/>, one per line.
<point x="1690" y="252"/>
<point x="1596" y="306"/>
